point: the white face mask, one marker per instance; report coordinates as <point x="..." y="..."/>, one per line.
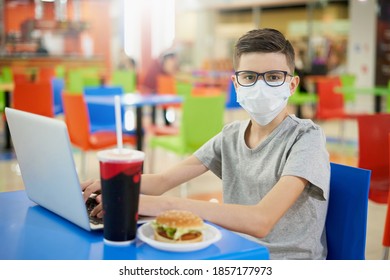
<point x="262" y="102"/>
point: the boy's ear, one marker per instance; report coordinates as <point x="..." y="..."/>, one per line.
<point x="233" y="78"/>
<point x="294" y="84"/>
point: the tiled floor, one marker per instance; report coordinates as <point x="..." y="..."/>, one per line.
<point x="209" y="186"/>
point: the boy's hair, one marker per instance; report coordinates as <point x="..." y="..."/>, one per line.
<point x="265" y="40"/>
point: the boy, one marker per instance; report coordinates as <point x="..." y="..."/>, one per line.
<point x="274" y="167"/>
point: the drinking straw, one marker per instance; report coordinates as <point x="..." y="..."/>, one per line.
<point x="118" y="123"/>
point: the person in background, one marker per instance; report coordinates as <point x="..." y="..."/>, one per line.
<point x="274" y="167"/>
<point x="166" y="64"/>
<point x="336" y="64"/>
<point x="126" y="63"/>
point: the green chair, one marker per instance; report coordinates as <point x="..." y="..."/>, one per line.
<point x="202" y="118"/>
<point x="348" y="80"/>
<point x="5" y="77"/>
<point x="2" y="101"/>
<point x="183" y="88"/>
<point x="125" y="79"/>
<point x="6" y="74"/>
<point x="299" y="99"/>
<point x="60" y="71"/>
<point x="80" y="78"/>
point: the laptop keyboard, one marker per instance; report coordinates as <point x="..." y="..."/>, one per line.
<point x="90" y="204"/>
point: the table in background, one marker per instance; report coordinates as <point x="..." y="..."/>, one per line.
<point x="7" y="88"/>
<point x="378" y="92"/>
<point x="28" y="231"/>
<point x="138" y="101"/>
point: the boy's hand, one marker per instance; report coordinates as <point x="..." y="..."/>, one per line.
<point x="89" y="187"/>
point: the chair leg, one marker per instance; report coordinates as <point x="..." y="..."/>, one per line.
<point x="386" y="253"/>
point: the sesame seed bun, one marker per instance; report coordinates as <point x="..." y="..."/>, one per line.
<point x="179" y="219"/>
<point x="186" y="225"/>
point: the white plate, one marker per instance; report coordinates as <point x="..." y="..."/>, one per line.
<point x="210" y="235"/>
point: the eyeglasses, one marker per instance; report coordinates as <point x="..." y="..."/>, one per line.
<point x="273" y="78"/>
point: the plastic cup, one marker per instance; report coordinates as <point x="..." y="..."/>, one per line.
<point x="120" y="175"/>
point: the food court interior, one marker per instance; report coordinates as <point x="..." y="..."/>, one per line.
<point x="84" y="42"/>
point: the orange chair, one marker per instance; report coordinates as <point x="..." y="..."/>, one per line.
<point x="166" y="84"/>
<point x="206" y="91"/>
<point x="77" y="120"/>
<point x="46" y="74"/>
<point x="373" y="150"/>
<point x="386" y="233"/>
<point x="35" y="98"/>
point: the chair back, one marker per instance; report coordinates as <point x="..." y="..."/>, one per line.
<point x="348" y="80"/>
<point x="80" y="78"/>
<point x="386" y="233"/>
<point x="202" y="118"/>
<point x="6" y="74"/>
<point x="77" y="119"/>
<point x="58" y="85"/>
<point x="34" y="97"/>
<point x="183" y="88"/>
<point x="45" y="74"/>
<point x="206" y="91"/>
<point x="300" y="98"/>
<point x="102" y="117"/>
<point x="125" y="79"/>
<point x="231" y="102"/>
<point x="166" y="84"/>
<point x="6" y="78"/>
<point x="346" y="220"/>
<point x="330" y="105"/>
<point x="373" y="153"/>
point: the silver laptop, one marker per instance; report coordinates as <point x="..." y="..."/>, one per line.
<point x="45" y="158"/>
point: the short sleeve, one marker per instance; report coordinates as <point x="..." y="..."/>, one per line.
<point x="210" y="155"/>
<point x="309" y="159"/>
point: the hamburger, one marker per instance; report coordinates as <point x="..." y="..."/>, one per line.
<point x="178" y="226"/>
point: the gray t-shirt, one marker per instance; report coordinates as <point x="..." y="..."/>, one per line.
<point x="296" y="147"/>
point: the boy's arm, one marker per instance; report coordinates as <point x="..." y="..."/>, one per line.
<point x="256" y="220"/>
<point x="156" y="184"/>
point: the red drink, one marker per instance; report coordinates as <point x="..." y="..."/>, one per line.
<point x="120" y="174"/>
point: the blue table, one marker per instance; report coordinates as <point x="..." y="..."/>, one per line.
<point x="138" y="101"/>
<point x="28" y="231"/>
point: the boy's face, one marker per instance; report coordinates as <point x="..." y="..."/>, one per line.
<point x="263" y="62"/>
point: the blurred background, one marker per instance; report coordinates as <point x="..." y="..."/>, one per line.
<point x="342" y="57"/>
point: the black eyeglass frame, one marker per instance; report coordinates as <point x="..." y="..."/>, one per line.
<point x="262" y="75"/>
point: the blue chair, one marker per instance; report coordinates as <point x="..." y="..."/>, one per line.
<point x="346" y="221"/>
<point x="231" y="102"/>
<point x="102" y="117"/>
<point x="58" y="85"/>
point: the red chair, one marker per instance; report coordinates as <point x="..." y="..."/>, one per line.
<point x="373" y="131"/>
<point x="34" y="97"/>
<point x="330" y="105"/>
<point x="386" y="233"/>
